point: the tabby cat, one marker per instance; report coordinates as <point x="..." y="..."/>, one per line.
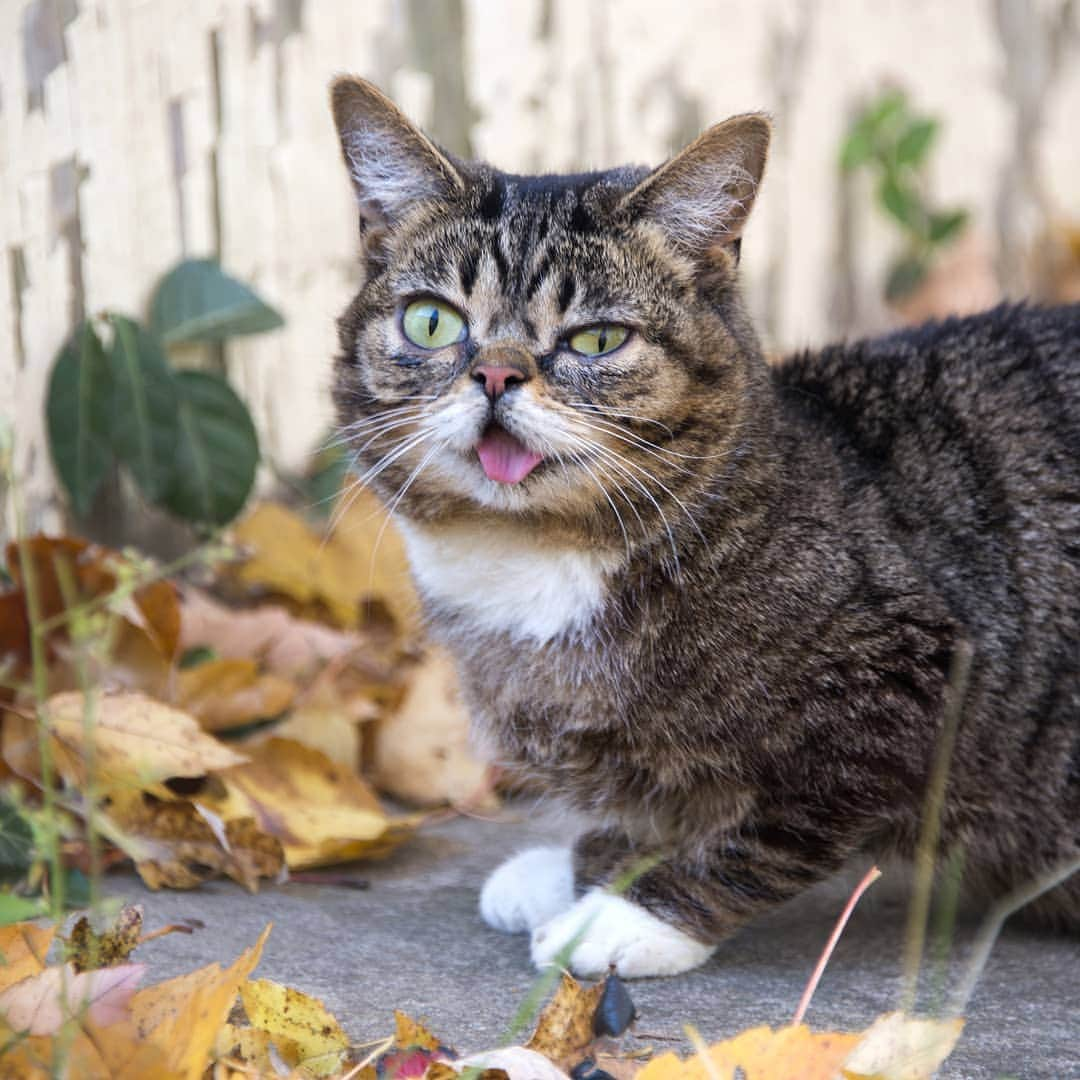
<point x="712" y="602"/>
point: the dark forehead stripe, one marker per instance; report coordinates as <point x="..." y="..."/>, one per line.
<point x="567" y="288"/>
<point x="468" y="269"/>
<point x="501" y="265"/>
<point x="493" y="201"/>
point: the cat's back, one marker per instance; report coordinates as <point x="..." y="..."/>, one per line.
<point x="961" y="441"/>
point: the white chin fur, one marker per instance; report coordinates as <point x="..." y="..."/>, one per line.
<point x="529" y="889"/>
<point x="616" y="932"/>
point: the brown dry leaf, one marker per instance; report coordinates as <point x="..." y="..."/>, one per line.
<point x="421" y="752"/>
<point x="790" y="1053"/>
<point x="284" y="644"/>
<point x="899" y="1047"/>
<point x="137" y="741"/>
<point x="287" y="1014"/>
<point x="135" y="662"/>
<point x="338" y="574"/>
<point x="86" y="569"/>
<point x="40" y="1004"/>
<point x="224" y="694"/>
<point x="14" y="632"/>
<point x="158" y="604"/>
<point x="565" y="1026"/>
<point x="23" y="948"/>
<point x="184" y="1015"/>
<point x="322" y="813"/>
<point x="88" y="949"/>
<point x="177" y="845"/>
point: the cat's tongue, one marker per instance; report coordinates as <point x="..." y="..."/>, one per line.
<point x="503" y="458"/>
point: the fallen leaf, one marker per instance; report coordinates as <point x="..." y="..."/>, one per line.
<point x="899" y="1047"/>
<point x="565" y="1025"/>
<point x="136" y="741"/>
<point x="88" y="949"/>
<point x="321" y="812"/>
<point x="320" y="1044"/>
<point x="253" y="1048"/>
<point x="40" y="1004"/>
<point x="361" y="561"/>
<point x="184" y="1015"/>
<point x="90" y="1053"/>
<point x="409" y="1033"/>
<point x="790" y="1053"/>
<point x="284" y="644"/>
<point x="421" y="752"/>
<point x="228" y="693"/>
<point x="517" y="1062"/>
<point x="23" y="948"/>
<point x="159" y="606"/>
<point x="174" y="844"/>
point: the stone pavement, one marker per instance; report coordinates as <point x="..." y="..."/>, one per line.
<point x="414" y="941"/>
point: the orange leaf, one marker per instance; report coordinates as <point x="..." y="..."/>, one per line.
<point x="565" y="1026"/>
<point x="160" y="608"/>
<point x="23" y="948"/>
<point x="184" y="1015"/>
<point x="790" y="1053"/>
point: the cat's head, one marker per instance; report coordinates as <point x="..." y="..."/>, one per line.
<point x="564" y="349"/>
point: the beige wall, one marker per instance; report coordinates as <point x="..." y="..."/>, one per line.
<point x="120" y="134"/>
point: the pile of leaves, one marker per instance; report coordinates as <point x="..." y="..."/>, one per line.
<point x="236" y="730"/>
<point x="86" y="1008"/>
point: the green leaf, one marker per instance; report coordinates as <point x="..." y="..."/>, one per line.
<point x="944" y="226"/>
<point x="915" y="142"/>
<point x="77" y="892"/>
<point x="899" y="200"/>
<point x="144" y="412"/>
<point x="77" y="412"/>
<point x="889" y="106"/>
<point x="16" y="843"/>
<point x="198" y="301"/>
<point x="15" y="909"/>
<point x="217" y="451"/>
<point x="857" y="149"/>
<point x="904" y="277"/>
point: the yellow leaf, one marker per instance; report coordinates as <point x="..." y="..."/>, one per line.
<point x="23" y="948"/>
<point x="899" y="1047"/>
<point x="224" y="694"/>
<point x="339" y="573"/>
<point x="177" y="845"/>
<point x="286" y="1013"/>
<point x="184" y="1015"/>
<point x="421" y="752"/>
<point x="565" y="1026"/>
<point x="137" y="741"/>
<point x="408" y="1033"/>
<point x="790" y="1053"/>
<point x="322" y="813"/>
<point x="255" y="1049"/>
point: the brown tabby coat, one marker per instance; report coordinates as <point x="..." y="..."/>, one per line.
<point x="790" y="555"/>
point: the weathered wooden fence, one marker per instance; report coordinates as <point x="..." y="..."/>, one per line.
<point x="135" y="131"/>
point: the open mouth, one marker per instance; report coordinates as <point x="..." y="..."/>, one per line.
<point x="503" y="458"/>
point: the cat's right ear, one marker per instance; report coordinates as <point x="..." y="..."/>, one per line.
<point x="393" y="164"/>
<point x="702" y="197"/>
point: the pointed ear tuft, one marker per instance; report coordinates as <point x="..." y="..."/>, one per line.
<point x="393" y="164"/>
<point x="702" y="197"/>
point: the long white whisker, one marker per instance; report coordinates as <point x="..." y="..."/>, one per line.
<point x="607" y="411"/>
<point x="632" y="440"/>
<point x="614" y="509"/>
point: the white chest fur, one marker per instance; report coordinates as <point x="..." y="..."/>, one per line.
<point x="507" y="580"/>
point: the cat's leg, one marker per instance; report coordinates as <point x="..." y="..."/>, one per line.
<point x="672" y="914"/>
<point x="529" y="889"/>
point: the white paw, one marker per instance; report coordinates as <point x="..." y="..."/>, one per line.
<point x="615" y="931"/>
<point x="528" y="889"/>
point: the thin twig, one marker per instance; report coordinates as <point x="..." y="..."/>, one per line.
<point x="868" y="879"/>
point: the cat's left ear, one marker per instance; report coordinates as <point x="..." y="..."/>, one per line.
<point x="392" y="163"/>
<point x="702" y="197"/>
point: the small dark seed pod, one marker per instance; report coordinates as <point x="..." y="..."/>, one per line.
<point x="583" y="1069"/>
<point x="616" y="1011"/>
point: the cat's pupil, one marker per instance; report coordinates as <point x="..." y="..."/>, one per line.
<point x="601" y="341"/>
<point x="433" y="322"/>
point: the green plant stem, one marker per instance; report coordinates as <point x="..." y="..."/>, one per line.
<point x="933" y="808"/>
<point x="945" y="926"/>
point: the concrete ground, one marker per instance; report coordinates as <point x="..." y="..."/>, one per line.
<point x="414" y="941"/>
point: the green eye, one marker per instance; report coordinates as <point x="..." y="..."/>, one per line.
<point x="598" y="340"/>
<point x="431" y="324"/>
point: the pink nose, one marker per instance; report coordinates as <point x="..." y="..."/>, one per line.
<point x="496" y="380"/>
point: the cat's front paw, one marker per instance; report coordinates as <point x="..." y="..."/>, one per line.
<point x="529" y="889"/>
<point x="615" y="931"/>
